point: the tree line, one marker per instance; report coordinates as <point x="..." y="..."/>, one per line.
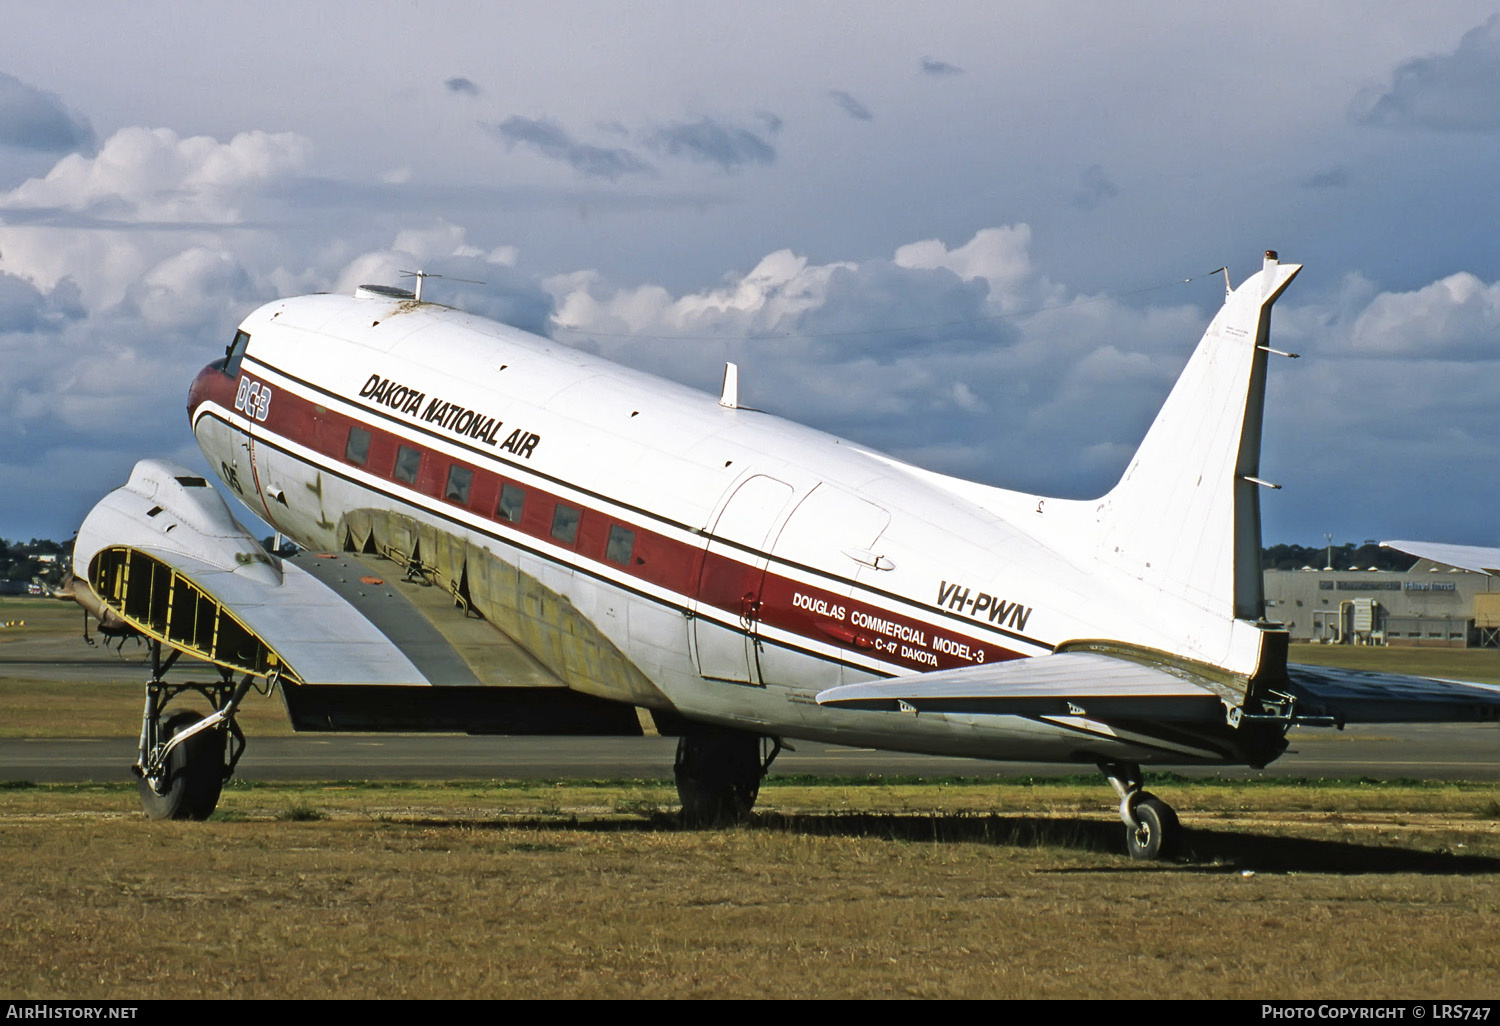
<point x="24" y="561"/>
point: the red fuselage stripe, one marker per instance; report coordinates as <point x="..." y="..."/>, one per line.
<point x="747" y="593"/>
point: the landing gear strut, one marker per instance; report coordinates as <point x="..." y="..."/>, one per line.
<point x="185" y="759"/>
<point x="718" y="773"/>
<point x="1151" y="827"/>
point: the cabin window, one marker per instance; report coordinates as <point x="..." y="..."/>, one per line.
<point x="565" y="524"/>
<point x="621" y="545"/>
<point x="512" y="501"/>
<point x="408" y="462"/>
<point x="357" y="451"/>
<point x="235" y="353"/>
<point x="459" y="480"/>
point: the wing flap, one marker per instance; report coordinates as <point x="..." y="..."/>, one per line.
<point x="1061" y="684"/>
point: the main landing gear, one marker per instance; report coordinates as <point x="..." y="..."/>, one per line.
<point x="185" y="758"/>
<point x="718" y="773"/>
<point x="1151" y="827"/>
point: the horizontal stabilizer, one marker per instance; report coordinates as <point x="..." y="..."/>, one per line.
<point x="1356" y="696"/>
<point x="1062" y="684"/>
<point x="1477" y="558"/>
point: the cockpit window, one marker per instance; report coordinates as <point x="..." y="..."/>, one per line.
<point x="235" y="353"/>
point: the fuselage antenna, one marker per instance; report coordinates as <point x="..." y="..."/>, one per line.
<point x="422" y="275"/>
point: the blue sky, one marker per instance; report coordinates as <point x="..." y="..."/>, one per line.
<point x="961" y="233"/>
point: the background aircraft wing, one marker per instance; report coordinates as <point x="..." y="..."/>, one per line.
<point x="1477" y="558"/>
<point x="1061" y="684"/>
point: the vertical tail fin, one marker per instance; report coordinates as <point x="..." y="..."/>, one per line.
<point x="1186" y="514"/>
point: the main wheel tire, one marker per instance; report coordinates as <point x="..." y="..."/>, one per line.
<point x="194" y="774"/>
<point x="718" y="775"/>
<point x="1157" y="834"/>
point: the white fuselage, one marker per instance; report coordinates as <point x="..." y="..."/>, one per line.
<point x="740" y="562"/>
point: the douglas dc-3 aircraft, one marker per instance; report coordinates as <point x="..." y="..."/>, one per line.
<point x="596" y="546"/>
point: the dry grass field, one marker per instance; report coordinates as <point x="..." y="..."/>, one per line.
<point x="591" y="890"/>
<point x="1481" y="665"/>
<point x="53" y="684"/>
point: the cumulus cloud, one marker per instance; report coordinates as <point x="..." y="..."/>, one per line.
<point x="192" y="288"/>
<point x="1453" y="92"/>
<point x="143" y="174"/>
<point x="1456" y="318"/>
<point x="131" y="273"/>
<point x="27" y="310"/>
<point x="961" y="358"/>
<point x="1001" y="257"/>
<point x="462" y="86"/>
<point x="968" y="359"/>
<point x="33" y="119"/>
<point x="552" y="141"/>
<point x="712" y="141"/>
<point x="851" y="106"/>
<point x="104" y="222"/>
<point x="1453" y="319"/>
<point x="95" y="377"/>
<point x="940" y="69"/>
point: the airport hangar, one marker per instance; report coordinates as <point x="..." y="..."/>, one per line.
<point x="1430" y="605"/>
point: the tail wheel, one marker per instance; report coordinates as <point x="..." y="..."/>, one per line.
<point x="1156" y="832"/>
<point x="189" y="785"/>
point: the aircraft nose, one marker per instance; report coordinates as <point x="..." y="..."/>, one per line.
<point x="211" y="385"/>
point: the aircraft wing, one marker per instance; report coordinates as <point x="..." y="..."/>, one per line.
<point x="1061" y="684"/>
<point x="1105" y="687"/>
<point x="1477" y="558"/>
<point x="354" y="645"/>
<point x="165" y="555"/>
<point x="1358" y="696"/>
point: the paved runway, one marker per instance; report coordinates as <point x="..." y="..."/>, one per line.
<point x="1421" y="752"/>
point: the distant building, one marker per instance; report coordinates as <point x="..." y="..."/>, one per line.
<point x="1429" y="605"/>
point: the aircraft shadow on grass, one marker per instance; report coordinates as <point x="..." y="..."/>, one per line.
<point x="1206" y="850"/>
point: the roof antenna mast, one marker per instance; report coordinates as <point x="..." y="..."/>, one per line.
<point x="421" y="275"/>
